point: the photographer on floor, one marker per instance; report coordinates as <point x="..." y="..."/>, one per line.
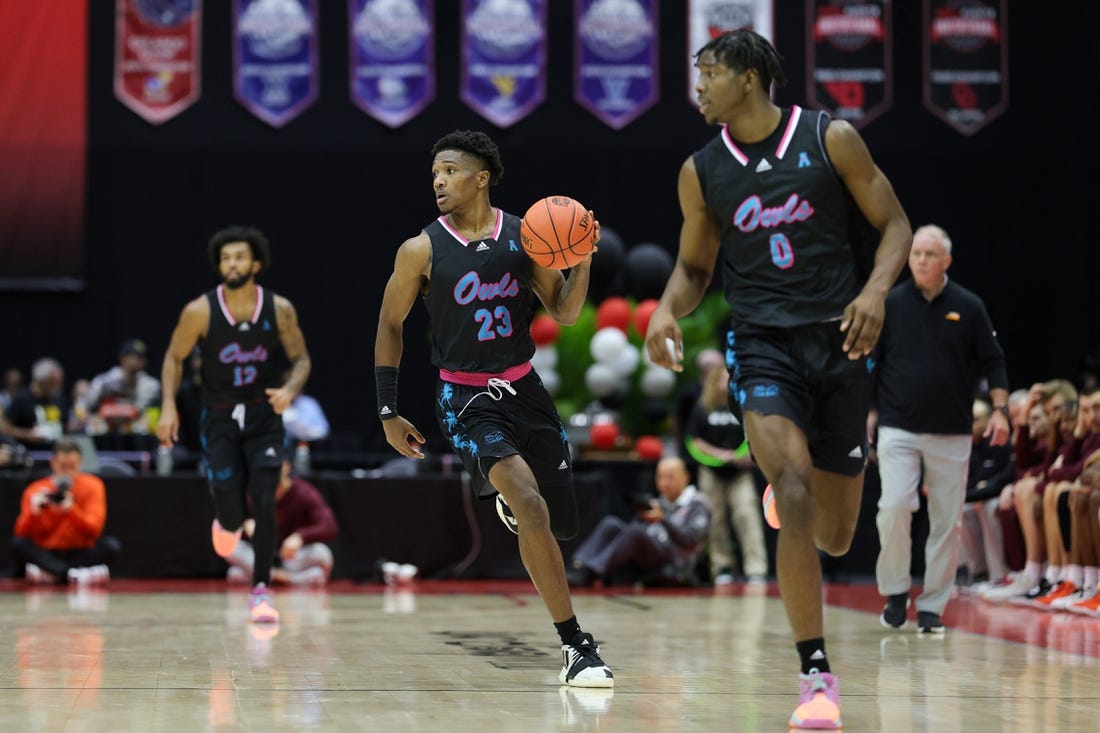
<point x="59" y="531"/>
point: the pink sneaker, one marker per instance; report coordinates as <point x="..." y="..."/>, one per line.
<point x="771" y="514"/>
<point x="224" y="540"/>
<point x="819" y="702"/>
<point x="261" y="609"/>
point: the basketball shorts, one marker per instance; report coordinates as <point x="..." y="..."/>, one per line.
<point x="486" y="424"/>
<point x="240" y="439"/>
<point x="803" y="374"/>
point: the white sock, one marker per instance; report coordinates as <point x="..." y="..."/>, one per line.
<point x="1092" y="577"/>
<point x="1033" y="570"/>
<point x="1053" y="573"/>
<point x="1074" y="574"/>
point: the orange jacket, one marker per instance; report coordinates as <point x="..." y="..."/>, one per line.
<point x="56" y="529"/>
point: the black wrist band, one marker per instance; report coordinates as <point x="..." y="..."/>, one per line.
<point x="385" y="382"/>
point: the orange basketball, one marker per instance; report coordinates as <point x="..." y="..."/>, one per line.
<point x="557" y="232"/>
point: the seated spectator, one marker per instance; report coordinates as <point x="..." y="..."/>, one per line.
<point x="664" y="539"/>
<point x="991" y="469"/>
<point x="715" y="439"/>
<point x="13" y="382"/>
<point x="305" y="523"/>
<point x="39" y="412"/>
<point x="120" y="396"/>
<point x="59" y="531"/>
<point x="78" y="416"/>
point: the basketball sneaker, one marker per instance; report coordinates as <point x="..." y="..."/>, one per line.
<point x="1061" y="589"/>
<point x="1089" y="606"/>
<point x="38" y="576"/>
<point x="893" y="613"/>
<point x="929" y="622"/>
<point x="223" y="540"/>
<point x="261" y="610"/>
<point x="581" y="665"/>
<point x="818" y="702"/>
<point x="1018" y="587"/>
<point x="771" y="515"/>
<point x="505" y="513"/>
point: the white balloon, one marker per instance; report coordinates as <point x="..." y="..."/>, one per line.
<point x="658" y="382"/>
<point x="607" y="343"/>
<point x="545" y="357"/>
<point x="601" y="379"/>
<point x="550" y="379"/>
<point x="627" y="361"/>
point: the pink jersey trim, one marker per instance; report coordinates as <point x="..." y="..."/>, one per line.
<point x="465" y="242"/>
<point x="788" y="134"/>
<point x="481" y="379"/>
<point x="732" y="147"/>
<point x="225" y="306"/>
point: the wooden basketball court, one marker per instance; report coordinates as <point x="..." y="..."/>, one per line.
<point x="482" y="656"/>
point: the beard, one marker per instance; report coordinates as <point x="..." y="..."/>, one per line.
<point x="234" y="282"/>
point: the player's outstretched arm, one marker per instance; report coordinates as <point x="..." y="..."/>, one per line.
<point x="193" y="323"/>
<point x="875" y="196"/>
<point x="564" y="297"/>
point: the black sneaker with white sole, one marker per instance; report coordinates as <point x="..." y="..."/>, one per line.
<point x="893" y="613"/>
<point x="506" y="517"/>
<point x="581" y="665"/>
<point x="929" y="623"/>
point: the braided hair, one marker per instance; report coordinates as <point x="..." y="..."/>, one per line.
<point x="476" y="144"/>
<point x="743" y="49"/>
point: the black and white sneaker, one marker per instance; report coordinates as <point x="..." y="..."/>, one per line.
<point x="894" y="612"/>
<point x="505" y="513"/>
<point x="929" y="623"/>
<point x="581" y="665"/>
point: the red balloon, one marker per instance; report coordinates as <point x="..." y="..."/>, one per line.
<point x="642" y="314"/>
<point x="649" y="447"/>
<point x="615" y="312"/>
<point x="544" y="330"/>
<point x="602" y="435"/>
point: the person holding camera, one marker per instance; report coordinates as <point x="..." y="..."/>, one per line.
<point x="59" y="531"/>
<point x="666" y="537"/>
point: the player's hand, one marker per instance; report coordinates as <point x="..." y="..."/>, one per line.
<point x="168" y="426"/>
<point x="862" y="323"/>
<point x="404" y="437"/>
<point x="279" y="399"/>
<point x="664" y="341"/>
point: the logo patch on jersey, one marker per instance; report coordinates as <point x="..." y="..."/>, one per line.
<point x="512" y="246"/>
<point x="270" y="452"/>
<point x="482" y="247"/>
<point x="494" y="437"/>
<point x="803" y="160"/>
<point x="856" y="452"/>
<point x="267" y="325"/>
<point x="765" y="390"/>
<point x="563" y="466"/>
<point x="763" y="165"/>
<point x="244" y="327"/>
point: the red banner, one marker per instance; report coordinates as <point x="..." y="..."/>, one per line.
<point x="848" y="58"/>
<point x="157" y="48"/>
<point x="966" y="61"/>
<point x="43" y="142"/>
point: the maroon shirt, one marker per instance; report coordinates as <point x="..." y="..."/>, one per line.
<point x="303" y="510"/>
<point x="1073" y="462"/>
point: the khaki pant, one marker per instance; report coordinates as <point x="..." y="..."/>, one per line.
<point x="734" y="501"/>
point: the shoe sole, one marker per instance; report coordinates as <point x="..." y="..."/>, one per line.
<point x="601" y="683"/>
<point x="882" y="620"/>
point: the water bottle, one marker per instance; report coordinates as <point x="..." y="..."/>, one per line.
<point x="301" y="458"/>
<point x="164" y="460"/>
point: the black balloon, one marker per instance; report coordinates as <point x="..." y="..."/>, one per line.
<point x="607" y="278"/>
<point x="648" y="267"/>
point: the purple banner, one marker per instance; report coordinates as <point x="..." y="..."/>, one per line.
<point x="392" y="58"/>
<point x="275" y="57"/>
<point x="848" y="58"/>
<point x="503" y="58"/>
<point x="615" y="43"/>
<point x="966" y="61"/>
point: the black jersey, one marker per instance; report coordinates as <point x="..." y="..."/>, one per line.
<point x="480" y="300"/>
<point x="240" y="359"/>
<point x="785" y="215"/>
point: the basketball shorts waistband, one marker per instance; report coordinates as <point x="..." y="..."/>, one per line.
<point x="481" y="379"/>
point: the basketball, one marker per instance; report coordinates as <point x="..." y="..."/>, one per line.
<point x="557" y="232"/>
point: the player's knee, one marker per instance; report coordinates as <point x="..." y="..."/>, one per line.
<point x="836" y="539"/>
<point x="530" y="511"/>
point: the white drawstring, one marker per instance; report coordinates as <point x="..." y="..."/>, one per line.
<point x="495" y="389"/>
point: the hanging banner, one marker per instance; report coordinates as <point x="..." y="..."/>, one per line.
<point x="392" y="57"/>
<point x="503" y="58"/>
<point x="848" y="58"/>
<point x="157" y="47"/>
<point x="966" y="61"/>
<point x="43" y="149"/>
<point x="708" y="19"/>
<point x="275" y="57"/>
<point x="615" y="46"/>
